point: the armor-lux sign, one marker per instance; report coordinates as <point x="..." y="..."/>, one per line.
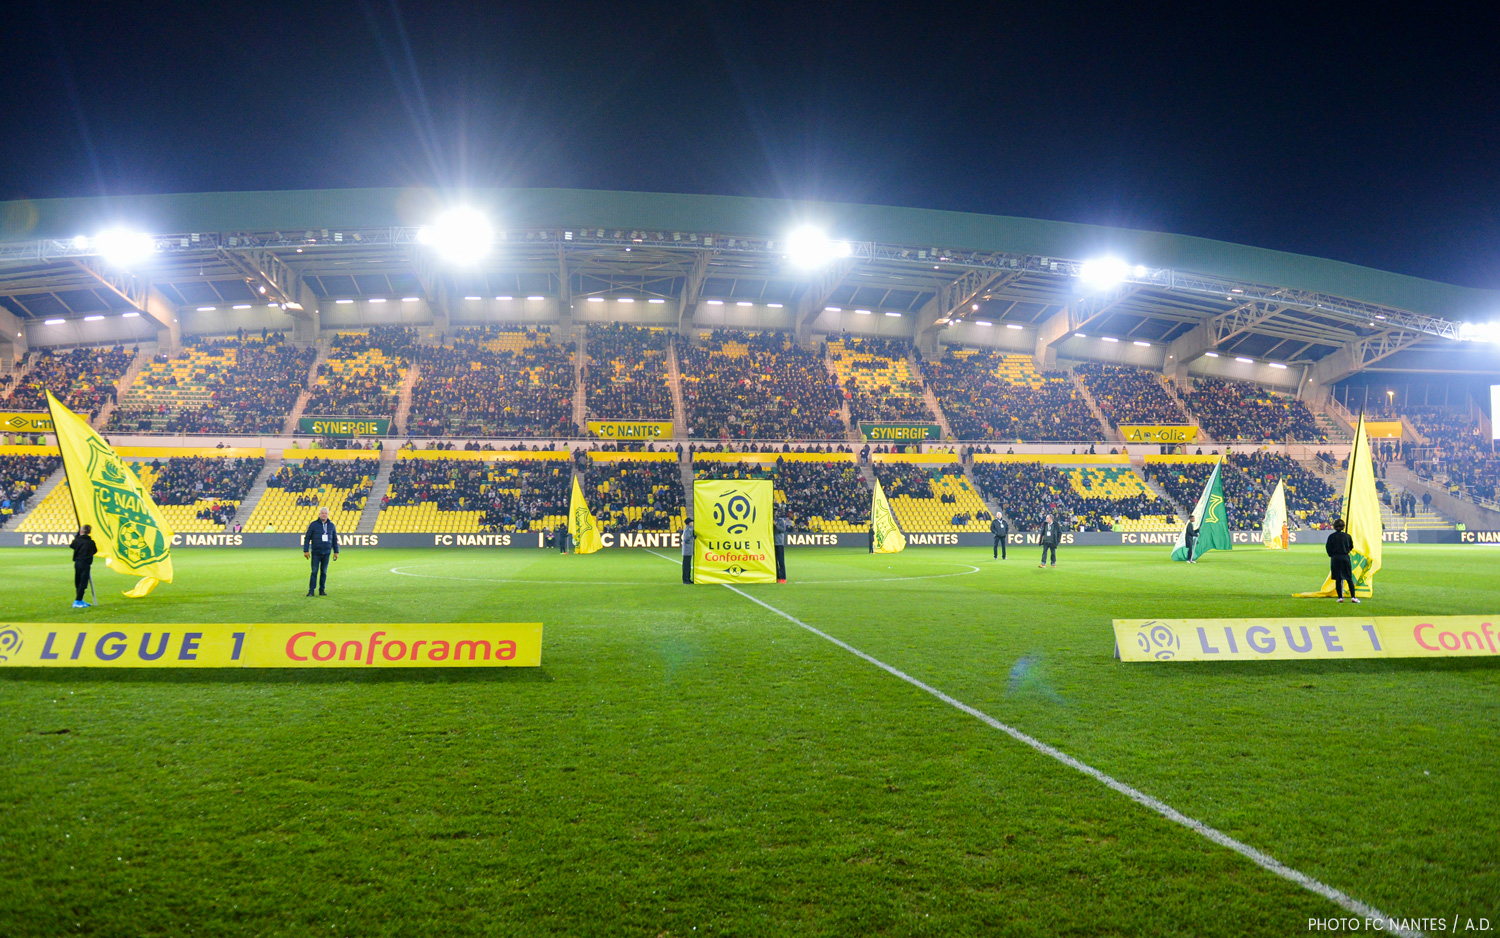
<point x="25" y="423"/>
<point x="270" y="645"/>
<point x="344" y="427"/>
<point x="1291" y="639"/>
<point x="631" y="429"/>
<point x="1134" y="433"/>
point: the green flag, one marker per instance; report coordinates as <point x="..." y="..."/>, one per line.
<point x="1209" y="518"/>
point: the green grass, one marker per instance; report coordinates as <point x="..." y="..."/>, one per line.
<point x="686" y="763"/>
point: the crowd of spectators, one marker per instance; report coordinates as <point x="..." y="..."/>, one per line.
<point x="981" y="405"/>
<point x="20" y="477"/>
<point x="85" y="379"/>
<point x="510" y="494"/>
<point x="252" y="387"/>
<point x="1229" y="411"/>
<point x="626" y="373"/>
<point x="481" y="386"/>
<point x="357" y="383"/>
<point x="828" y="491"/>
<point x="1248" y="480"/>
<point x="1027" y="492"/>
<point x="743" y="385"/>
<point x="185" y="480"/>
<point x="655" y="487"/>
<point x="315" y="472"/>
<point x="877" y="381"/>
<point x="1130" y="395"/>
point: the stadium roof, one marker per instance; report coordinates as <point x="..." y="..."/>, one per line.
<point x="1191" y="294"/>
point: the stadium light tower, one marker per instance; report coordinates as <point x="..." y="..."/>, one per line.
<point x="808" y="247"/>
<point x="1103" y="272"/>
<point x="123" y="248"/>
<point x="460" y="235"/>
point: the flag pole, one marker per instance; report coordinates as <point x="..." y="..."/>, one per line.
<point x="1349" y="479"/>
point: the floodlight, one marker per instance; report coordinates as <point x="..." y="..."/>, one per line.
<point x="1080" y="335"/>
<point x="656" y="299"/>
<point x="714" y="302"/>
<point x="981" y="322"/>
<point x="343" y="302"/>
<point x="1140" y="270"/>
<point x="122" y="248"/>
<point x="53" y="322"/>
<point x="131" y="316"/>
<point x="1243" y="360"/>
<point x="80" y="243"/>
<point x="461" y="235"/>
<point x="623" y="299"/>
<point x="1014" y="325"/>
<point x="373" y="299"/>
<point x="774" y="305"/>
<point x="207" y="309"/>
<point x="92" y="318"/>
<point x="1109" y="338"/>
<point x="535" y="298"/>
<point x="242" y="306"/>
<point x="1141" y="344"/>
<point x="1211" y="354"/>
<point x="596" y="299"/>
<point x="894" y="315"/>
<point x="410" y="299"/>
<point x="1103" y="271"/>
<point x="744" y="303"/>
<point x="1278" y="365"/>
<point x="809" y="247"/>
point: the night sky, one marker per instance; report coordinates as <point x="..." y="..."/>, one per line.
<point x="1358" y="134"/>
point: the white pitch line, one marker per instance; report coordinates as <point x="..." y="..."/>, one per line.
<point x="1262" y="860"/>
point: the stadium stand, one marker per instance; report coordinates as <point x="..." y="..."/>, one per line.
<point x="744" y="385"/>
<point x="296" y="491"/>
<point x="929" y="496"/>
<point x="363" y="374"/>
<point x="990" y="395"/>
<point x="84" y="379"/>
<point x="218" y="386"/>
<point x="1231" y="411"/>
<point x="1082" y="498"/>
<point x="502" y="492"/>
<point x="20" y="476"/>
<point x="819" y="493"/>
<point x="627" y="372"/>
<point x="878" y="380"/>
<point x="1130" y="395"/>
<point x="636" y="492"/>
<point x="1248" y="481"/>
<point x="496" y="380"/>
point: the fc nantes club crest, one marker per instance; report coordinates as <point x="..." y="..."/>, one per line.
<point x="123" y="518"/>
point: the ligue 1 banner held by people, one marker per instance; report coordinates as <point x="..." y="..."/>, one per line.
<point x="271" y="645"/>
<point x="344" y="427"/>
<point x="1142" y="433"/>
<point x="25" y="423"/>
<point x="732" y="532"/>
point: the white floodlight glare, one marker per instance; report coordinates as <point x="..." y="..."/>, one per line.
<point x="92" y="318"/>
<point x="1103" y="271"/>
<point x="53" y="322"/>
<point x="1014" y="325"/>
<point x="131" y="316"/>
<point x="1140" y="270"/>
<point x="1211" y="354"/>
<point x="80" y="243"/>
<point x="1109" y="338"/>
<point x="1278" y="365"/>
<point x="461" y="235"/>
<point x="122" y="248"/>
<point x="1243" y="360"/>
<point x="809" y="247"/>
<point x="1141" y="344"/>
<point x="1479" y="331"/>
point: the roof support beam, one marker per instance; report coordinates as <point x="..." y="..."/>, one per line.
<point x="13" y="343"/>
<point x="1211" y="333"/>
<point x="954" y="296"/>
<point x="1361" y="353"/>
<point x="692" y="285"/>
<point x="1074" y="316"/>
<point x="141" y="295"/>
<point x="810" y="305"/>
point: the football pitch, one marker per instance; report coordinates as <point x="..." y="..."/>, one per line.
<point x="693" y="761"/>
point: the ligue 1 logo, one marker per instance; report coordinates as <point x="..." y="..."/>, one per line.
<point x="1158" y="641"/>
<point x="734" y="513"/>
<point x="10" y="643"/>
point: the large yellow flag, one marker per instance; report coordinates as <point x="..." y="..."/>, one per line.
<point x="583" y="527"/>
<point x="1273" y="527"/>
<point x="1361" y="519"/>
<point x="132" y="535"/>
<point x="888" y="537"/>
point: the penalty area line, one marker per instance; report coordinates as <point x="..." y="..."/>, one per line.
<point x="1263" y="860"/>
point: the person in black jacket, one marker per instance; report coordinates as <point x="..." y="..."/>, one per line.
<point x="780" y="526"/>
<point x="687" y="550"/>
<point x="1001" y="530"/>
<point x="319" y="542"/>
<point x="1051" y="537"/>
<point x="1190" y="538"/>
<point x="1339" y="545"/>
<point x="84" y="550"/>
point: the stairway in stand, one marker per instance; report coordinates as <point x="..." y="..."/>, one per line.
<point x="403" y="399"/>
<point x="580" y="395"/>
<point x="674" y="382"/>
<point x="253" y="497"/>
<point x="290" y="426"/>
<point x="1110" y="433"/>
<point x="126" y="380"/>
<point x="42" y="491"/>
<point x="1171" y="388"/>
<point x="378" y="488"/>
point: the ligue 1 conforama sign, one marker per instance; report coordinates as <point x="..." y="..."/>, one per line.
<point x="1291" y="639"/>
<point x="181" y="645"/>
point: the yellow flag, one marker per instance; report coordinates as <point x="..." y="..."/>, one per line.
<point x="583" y="527"/>
<point x="132" y="536"/>
<point x="888" y="537"/>
<point x="1273" y="528"/>
<point x="1361" y="519"/>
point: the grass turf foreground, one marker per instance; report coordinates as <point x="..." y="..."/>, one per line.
<point x="687" y="763"/>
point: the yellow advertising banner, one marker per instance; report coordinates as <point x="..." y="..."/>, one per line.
<point x="1141" y="433"/>
<point x="270" y="645"/>
<point x="1383" y="429"/>
<point x="732" y="532"/>
<point x="1293" y="639"/>
<point x="25" y="423"/>
<point x="631" y="429"/>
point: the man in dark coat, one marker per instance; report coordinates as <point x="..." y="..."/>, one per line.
<point x="319" y="542"/>
<point x="1051" y="537"/>
<point x="1001" y="531"/>
<point x="84" y="550"/>
<point x="780" y="526"/>
<point x="687" y="550"/>
<point x="1190" y="538"/>
<point x="1339" y="545"/>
